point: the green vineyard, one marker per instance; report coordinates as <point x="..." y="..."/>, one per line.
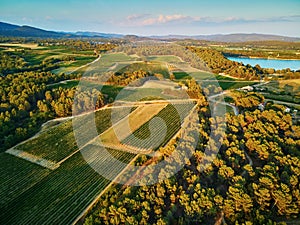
<point x="70" y="188"/>
<point x="58" y="142"/>
<point x="172" y="116"/>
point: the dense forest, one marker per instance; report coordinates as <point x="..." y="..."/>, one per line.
<point x="27" y="102"/>
<point x="13" y="62"/>
<point x="264" y="49"/>
<point x="253" y="179"/>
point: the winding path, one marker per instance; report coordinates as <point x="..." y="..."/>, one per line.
<point x="236" y="112"/>
<point x="80" y="67"/>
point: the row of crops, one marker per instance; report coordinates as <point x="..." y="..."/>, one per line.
<point x="60" y="196"/>
<point x="30" y="194"/>
<point x="172" y="116"/>
<point x="17" y="176"/>
<point x="58" y="142"/>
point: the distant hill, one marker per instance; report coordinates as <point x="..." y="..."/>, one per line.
<point x="7" y="29"/>
<point x="97" y="34"/>
<point x="232" y="37"/>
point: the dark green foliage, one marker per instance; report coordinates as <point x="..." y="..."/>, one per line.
<point x="253" y="180"/>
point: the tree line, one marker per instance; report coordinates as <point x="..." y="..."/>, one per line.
<point x="27" y="102"/>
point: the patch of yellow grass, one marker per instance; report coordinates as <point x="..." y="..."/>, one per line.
<point x="131" y="123"/>
<point x="293" y="82"/>
<point x="28" y="45"/>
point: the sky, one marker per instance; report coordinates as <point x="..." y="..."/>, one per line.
<point x="157" y="17"/>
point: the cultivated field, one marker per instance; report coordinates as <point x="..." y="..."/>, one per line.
<point x="58" y="142"/>
<point x="109" y="61"/>
<point x="17" y="176"/>
<point x="49" y="179"/>
<point x="31" y="193"/>
<point x="172" y="117"/>
<point x="59" y="197"/>
<point x="125" y="127"/>
<point x="165" y="58"/>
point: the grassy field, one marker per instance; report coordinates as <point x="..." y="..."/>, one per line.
<point x="180" y="75"/>
<point x="117" y="57"/>
<point x="225" y="85"/>
<point x="65" y="84"/>
<point x="111" y="90"/>
<point x="106" y="62"/>
<point x="202" y="75"/>
<point x="199" y="75"/>
<point x="206" y="79"/>
<point x="229" y="109"/>
<point x="164" y="58"/>
<point x="72" y="66"/>
<point x="35" y="55"/>
<point x="151" y="67"/>
<point x="140" y="94"/>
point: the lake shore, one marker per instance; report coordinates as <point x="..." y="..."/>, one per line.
<point x="271" y="58"/>
<point x="277" y="64"/>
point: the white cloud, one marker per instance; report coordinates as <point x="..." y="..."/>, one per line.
<point x="162" y="19"/>
<point x="149" y="20"/>
<point x="136" y="17"/>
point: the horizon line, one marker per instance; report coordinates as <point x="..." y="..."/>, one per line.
<point x="149" y="35"/>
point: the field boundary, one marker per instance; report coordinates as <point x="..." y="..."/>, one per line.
<point x="33" y="158"/>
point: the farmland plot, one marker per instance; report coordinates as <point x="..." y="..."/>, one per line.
<point x="59" y="142"/>
<point x="31" y="194"/>
<point x="137" y="118"/>
<point x="106" y="62"/>
<point x="17" y="176"/>
<point x="172" y="117"/>
<point x="62" y="195"/>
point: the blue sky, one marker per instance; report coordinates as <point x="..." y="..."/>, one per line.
<point x="189" y="17"/>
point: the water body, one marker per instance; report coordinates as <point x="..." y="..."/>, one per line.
<point x="277" y="64"/>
